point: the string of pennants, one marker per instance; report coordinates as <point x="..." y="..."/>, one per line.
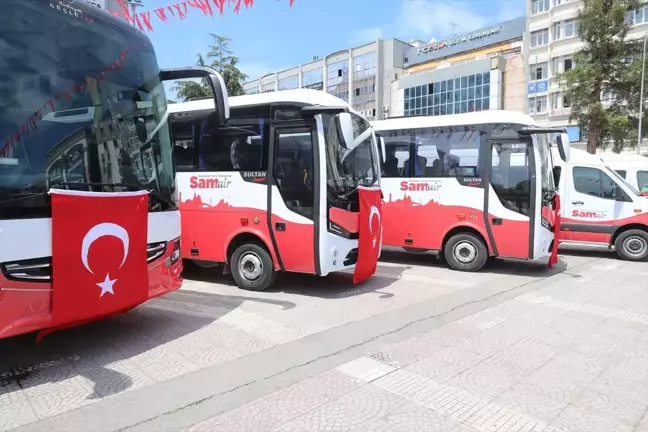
<point x="180" y="11"/>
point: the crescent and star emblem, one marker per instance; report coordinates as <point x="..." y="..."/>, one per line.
<point x="372" y="212"/>
<point x="105" y="229"/>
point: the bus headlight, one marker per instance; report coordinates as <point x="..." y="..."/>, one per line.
<point x="175" y="254"/>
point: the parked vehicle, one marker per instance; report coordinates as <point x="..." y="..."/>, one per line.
<point x="470" y="186"/>
<point x="279" y="188"/>
<point x="601" y="208"/>
<point x="633" y="168"/>
<point x="83" y="116"/>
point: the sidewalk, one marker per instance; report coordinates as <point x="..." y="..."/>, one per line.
<point x="554" y="359"/>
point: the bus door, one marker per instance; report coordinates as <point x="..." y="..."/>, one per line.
<point x="292" y="191"/>
<point x="509" y="201"/>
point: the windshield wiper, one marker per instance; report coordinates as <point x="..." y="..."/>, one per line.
<point x="127" y="186"/>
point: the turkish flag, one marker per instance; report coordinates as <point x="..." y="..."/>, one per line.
<point x="553" y="259"/>
<point x="98" y="254"/>
<point x="369" y="233"/>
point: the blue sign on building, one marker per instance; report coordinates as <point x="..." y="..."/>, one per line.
<point x="538" y="87"/>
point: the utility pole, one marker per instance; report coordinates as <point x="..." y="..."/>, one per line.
<point x="643" y="68"/>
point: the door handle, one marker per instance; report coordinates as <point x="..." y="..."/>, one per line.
<point x="578" y="202"/>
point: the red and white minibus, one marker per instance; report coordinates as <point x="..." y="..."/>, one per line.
<point x="470" y="186"/>
<point x="279" y="187"/>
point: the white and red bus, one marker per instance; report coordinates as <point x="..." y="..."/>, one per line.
<point x="82" y="108"/>
<point x="276" y="188"/>
<point x="469" y="186"/>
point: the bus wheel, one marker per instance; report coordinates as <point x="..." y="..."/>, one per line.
<point x="632" y="245"/>
<point x="465" y="252"/>
<point x="252" y="267"/>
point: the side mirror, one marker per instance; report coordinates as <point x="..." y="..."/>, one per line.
<point x="618" y="193"/>
<point x="215" y="80"/>
<point x="557" y="170"/>
<point x="564" y="146"/>
<point x="345" y="127"/>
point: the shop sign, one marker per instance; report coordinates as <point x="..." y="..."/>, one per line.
<point x="459" y="40"/>
<point x="315" y="86"/>
<point x="538" y="87"/>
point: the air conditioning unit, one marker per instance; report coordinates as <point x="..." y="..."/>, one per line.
<point x="385" y="116"/>
<point x="385" y="108"/>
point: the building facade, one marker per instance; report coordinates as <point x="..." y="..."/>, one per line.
<point x="475" y="71"/>
<point x="358" y="75"/>
<point x="480" y="70"/>
<point x="553" y="41"/>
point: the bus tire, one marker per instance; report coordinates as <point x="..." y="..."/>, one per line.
<point x="632" y="245"/>
<point x="252" y="267"/>
<point x="465" y="252"/>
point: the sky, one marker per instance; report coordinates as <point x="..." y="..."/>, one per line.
<point x="271" y="36"/>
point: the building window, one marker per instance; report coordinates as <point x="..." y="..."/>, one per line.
<point x="539" y="6"/>
<point x="313" y="78"/>
<point x="251" y="90"/>
<point x="557" y="2"/>
<point x="289" y="83"/>
<point x="337" y="79"/>
<point x="454" y="96"/>
<point x="538" y="105"/>
<point x="539" y="71"/>
<point x="540" y="37"/>
<point x="638" y="16"/>
<point x="565" y="29"/>
<point x="364" y="83"/>
<point x="559" y="101"/>
<point x="268" y="84"/>
<point x="561" y="64"/>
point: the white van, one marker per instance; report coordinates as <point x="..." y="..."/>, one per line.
<point x="600" y="207"/>
<point x="633" y="168"/>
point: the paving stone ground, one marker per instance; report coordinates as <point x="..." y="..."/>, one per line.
<point x="563" y="358"/>
<point x="570" y="355"/>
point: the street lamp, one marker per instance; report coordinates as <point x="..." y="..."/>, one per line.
<point x="643" y="68"/>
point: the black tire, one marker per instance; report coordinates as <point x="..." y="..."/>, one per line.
<point x="257" y="258"/>
<point x="468" y="246"/>
<point x="632" y="245"/>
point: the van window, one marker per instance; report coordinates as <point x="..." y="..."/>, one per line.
<point x="622" y="173"/>
<point x="594" y="182"/>
<point x="642" y="180"/>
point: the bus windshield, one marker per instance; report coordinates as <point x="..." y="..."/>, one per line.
<point x="347" y="169"/>
<point x="81" y="106"/>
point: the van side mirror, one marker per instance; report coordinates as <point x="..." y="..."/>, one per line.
<point x="557" y="170"/>
<point x="618" y="193"/>
<point x="214" y="80"/>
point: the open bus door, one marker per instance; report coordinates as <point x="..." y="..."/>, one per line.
<point x="522" y="180"/>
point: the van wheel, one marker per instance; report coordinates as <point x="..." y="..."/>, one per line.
<point x="632" y="245"/>
<point x="465" y="252"/>
<point x="252" y="267"/>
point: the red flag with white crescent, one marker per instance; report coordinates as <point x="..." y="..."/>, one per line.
<point x="99" y="264"/>
<point x="369" y="233"/>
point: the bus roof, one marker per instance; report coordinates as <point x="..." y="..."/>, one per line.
<point x="474" y="118"/>
<point x="303" y="96"/>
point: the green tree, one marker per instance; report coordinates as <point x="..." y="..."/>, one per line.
<point x="222" y="61"/>
<point x="601" y="67"/>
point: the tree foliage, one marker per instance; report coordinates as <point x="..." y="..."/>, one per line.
<point x="223" y="61"/>
<point x="602" y="67"/>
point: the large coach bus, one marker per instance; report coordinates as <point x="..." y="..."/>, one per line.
<point x="82" y="108"/>
<point x="470" y="186"/>
<point x="276" y="188"/>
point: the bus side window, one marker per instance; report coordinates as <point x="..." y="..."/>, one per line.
<point x="183" y="145"/>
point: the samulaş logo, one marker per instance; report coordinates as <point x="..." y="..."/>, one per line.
<point x="196" y="182"/>
<point x="420" y="186"/>
<point x="598" y="214"/>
